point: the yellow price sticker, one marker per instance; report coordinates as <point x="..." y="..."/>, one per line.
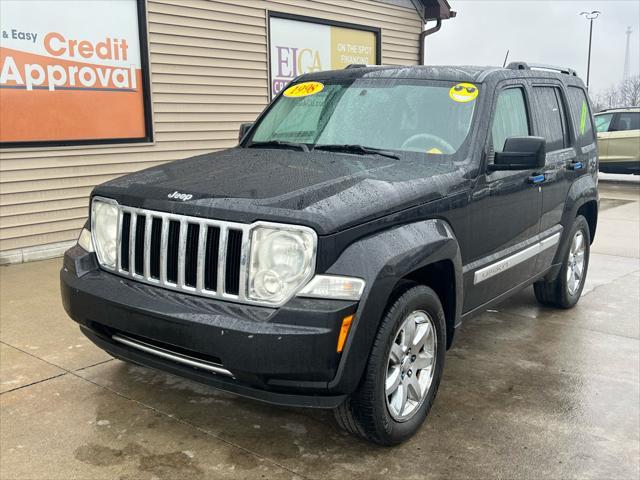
<point x="304" y="89"/>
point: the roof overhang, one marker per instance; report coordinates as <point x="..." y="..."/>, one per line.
<point x="434" y="9"/>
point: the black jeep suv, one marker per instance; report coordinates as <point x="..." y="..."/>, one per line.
<point x="327" y="260"/>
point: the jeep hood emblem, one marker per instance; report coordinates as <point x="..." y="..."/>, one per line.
<point x="180" y="196"/>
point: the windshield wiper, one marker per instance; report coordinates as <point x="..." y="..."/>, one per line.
<point x="358" y="149"/>
<point x="279" y="143"/>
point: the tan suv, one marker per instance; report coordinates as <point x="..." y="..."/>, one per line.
<point x="619" y="140"/>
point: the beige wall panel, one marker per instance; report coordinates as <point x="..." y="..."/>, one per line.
<point x="190" y="10"/>
<point x="208" y="67"/>
<point x="45" y="239"/>
<point x="39" y="207"/>
<point x="223" y="46"/>
<point x="48" y="197"/>
<point x="184" y="78"/>
<point x="192" y="31"/>
<point x="44" y="217"/>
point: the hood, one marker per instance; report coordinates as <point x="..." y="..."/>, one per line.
<point x="326" y="191"/>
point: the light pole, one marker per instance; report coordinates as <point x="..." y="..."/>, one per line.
<point x="591" y="16"/>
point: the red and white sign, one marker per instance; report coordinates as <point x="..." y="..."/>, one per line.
<point x="70" y="70"/>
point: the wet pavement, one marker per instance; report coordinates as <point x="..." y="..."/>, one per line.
<point x="528" y="392"/>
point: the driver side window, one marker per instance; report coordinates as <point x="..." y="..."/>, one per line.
<point x="510" y="119"/>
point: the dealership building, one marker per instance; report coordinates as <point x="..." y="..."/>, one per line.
<point x="106" y="88"/>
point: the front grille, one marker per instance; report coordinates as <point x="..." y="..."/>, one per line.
<point x="191" y="254"/>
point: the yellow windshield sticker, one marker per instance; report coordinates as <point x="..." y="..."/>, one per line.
<point x="435" y="151"/>
<point x="303" y="89"/>
<point x="463" y="92"/>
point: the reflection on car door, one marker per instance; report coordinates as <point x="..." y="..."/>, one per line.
<point x="505" y="210"/>
<point x="624" y="138"/>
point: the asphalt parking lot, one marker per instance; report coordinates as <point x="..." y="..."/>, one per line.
<point x="528" y="392"/>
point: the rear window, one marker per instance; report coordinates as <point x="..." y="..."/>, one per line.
<point x="550" y="117"/>
<point x="628" y="121"/>
<point x="581" y="115"/>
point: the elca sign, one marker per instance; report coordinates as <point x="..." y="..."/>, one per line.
<point x="298" y="47"/>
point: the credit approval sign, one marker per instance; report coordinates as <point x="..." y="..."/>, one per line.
<point x="70" y="71"/>
<point x="302" y="46"/>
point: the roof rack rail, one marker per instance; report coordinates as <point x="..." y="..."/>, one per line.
<point x="539" y="66"/>
<point x="364" y="65"/>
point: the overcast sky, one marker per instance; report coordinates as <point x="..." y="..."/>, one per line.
<point x="540" y="31"/>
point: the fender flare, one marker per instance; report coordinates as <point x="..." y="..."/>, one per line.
<point x="382" y="260"/>
<point x="582" y="191"/>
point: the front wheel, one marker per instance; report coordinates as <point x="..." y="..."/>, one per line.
<point x="403" y="371"/>
<point x="565" y="290"/>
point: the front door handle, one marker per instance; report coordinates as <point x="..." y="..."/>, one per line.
<point x="537" y="179"/>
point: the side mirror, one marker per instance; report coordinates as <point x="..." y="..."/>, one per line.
<point x="520" y="153"/>
<point x="244" y="128"/>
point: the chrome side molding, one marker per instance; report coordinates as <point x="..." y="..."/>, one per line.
<point x="515" y="259"/>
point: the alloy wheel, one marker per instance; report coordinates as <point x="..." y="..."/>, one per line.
<point x="575" y="263"/>
<point x="411" y="365"/>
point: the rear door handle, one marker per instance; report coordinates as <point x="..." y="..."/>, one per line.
<point x="537" y="179"/>
<point x="575" y="165"/>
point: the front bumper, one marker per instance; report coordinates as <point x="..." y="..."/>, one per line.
<point x="285" y="356"/>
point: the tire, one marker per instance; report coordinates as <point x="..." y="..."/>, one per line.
<point x="563" y="293"/>
<point x="368" y="412"/>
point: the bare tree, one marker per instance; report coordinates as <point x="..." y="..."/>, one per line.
<point x="630" y="92"/>
<point x="625" y="94"/>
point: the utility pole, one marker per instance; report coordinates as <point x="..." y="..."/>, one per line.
<point x="591" y="16"/>
<point x="627" y="60"/>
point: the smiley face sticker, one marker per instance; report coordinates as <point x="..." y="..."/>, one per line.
<point x="303" y="89"/>
<point x="463" y="92"/>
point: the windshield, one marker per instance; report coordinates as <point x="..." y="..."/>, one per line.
<point x="400" y="115"/>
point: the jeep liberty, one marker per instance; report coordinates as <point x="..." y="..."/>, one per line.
<point x="328" y="259"/>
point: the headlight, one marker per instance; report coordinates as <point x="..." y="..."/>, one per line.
<point x="282" y="261"/>
<point x="104" y="227"/>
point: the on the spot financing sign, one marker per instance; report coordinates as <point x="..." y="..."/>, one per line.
<point x="70" y="71"/>
<point x="299" y="47"/>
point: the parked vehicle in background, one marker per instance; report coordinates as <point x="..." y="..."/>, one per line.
<point x="619" y="140"/>
<point x="328" y="259"/>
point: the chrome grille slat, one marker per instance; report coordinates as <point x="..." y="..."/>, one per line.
<point x="244" y="261"/>
<point x="222" y="254"/>
<point x="132" y="243"/>
<point x="182" y="251"/>
<point x="147" y="246"/>
<point x="119" y="241"/>
<point x="164" y="240"/>
<point x="202" y="239"/>
<point x="148" y="216"/>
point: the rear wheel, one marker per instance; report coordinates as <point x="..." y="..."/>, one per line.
<point x="403" y="371"/>
<point x="565" y="290"/>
